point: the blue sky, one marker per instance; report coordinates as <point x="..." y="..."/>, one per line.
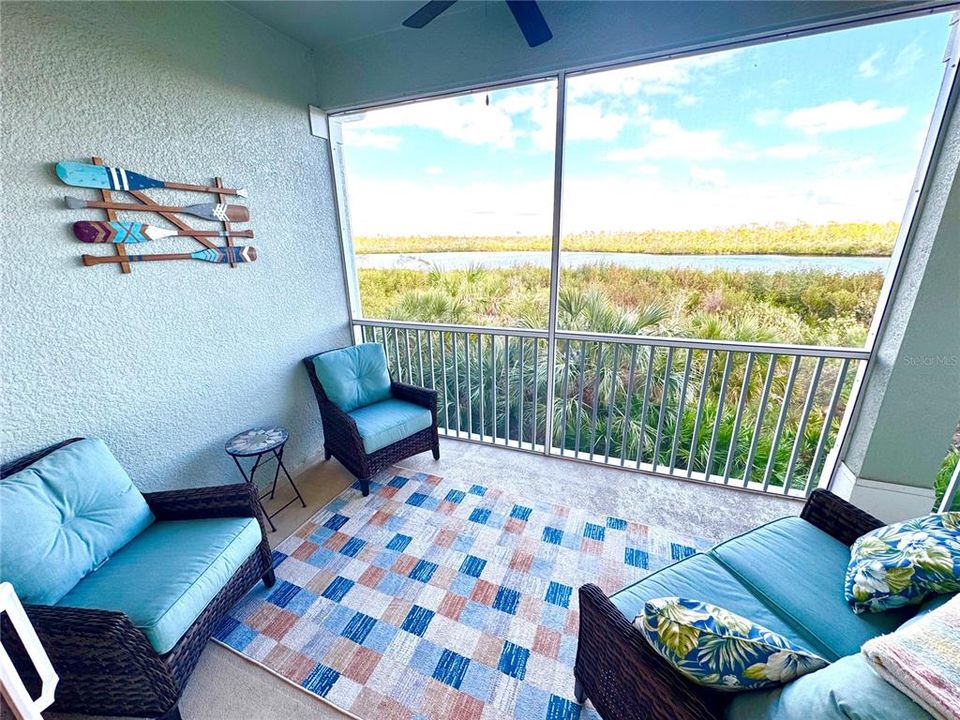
<point x="815" y="129"/>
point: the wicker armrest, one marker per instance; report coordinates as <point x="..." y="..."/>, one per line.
<point x="214" y="501"/>
<point x="417" y="395"/>
<point x="837" y="517"/>
<point x="624" y="677"/>
<point x="334" y="415"/>
<point x="106" y="642"/>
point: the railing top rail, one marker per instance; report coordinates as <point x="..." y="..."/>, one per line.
<point x="827" y="351"/>
<point x="444" y="327"/>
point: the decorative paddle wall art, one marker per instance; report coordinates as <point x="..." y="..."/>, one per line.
<point x="117" y="234"/>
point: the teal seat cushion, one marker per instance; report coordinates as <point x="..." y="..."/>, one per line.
<point x="63" y="516"/>
<point x="798" y="571"/>
<point x="164" y="578"/>
<point x="700" y="577"/>
<point x="848" y="689"/>
<point x="354" y="377"/>
<point x="384" y="423"/>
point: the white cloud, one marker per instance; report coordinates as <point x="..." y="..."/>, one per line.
<point x="842" y="115"/>
<point x="467" y="119"/>
<point x="905" y="61"/>
<point x="792" y="151"/>
<point x="668" y="77"/>
<point x="868" y="68"/>
<point x="668" y="139"/>
<point x="688" y="100"/>
<point x="708" y="176"/>
<point x="365" y="139"/>
<point x="763" y="118"/>
<point x="434" y="170"/>
<point x="591" y="122"/>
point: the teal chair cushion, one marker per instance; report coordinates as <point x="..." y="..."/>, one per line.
<point x="846" y="690"/>
<point x="386" y="422"/>
<point x="354" y="377"/>
<point x="63" y="516"/>
<point x="798" y="571"/>
<point x="700" y="577"/>
<point x="164" y="578"/>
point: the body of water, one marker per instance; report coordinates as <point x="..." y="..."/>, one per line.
<point x="736" y="263"/>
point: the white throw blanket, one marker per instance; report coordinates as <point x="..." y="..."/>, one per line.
<point x="923" y="660"/>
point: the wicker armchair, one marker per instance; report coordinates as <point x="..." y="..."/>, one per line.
<point x="106" y="664"/>
<point x="626" y="679"/>
<point x="342" y="440"/>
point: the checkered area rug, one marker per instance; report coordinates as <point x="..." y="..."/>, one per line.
<point x="430" y="600"/>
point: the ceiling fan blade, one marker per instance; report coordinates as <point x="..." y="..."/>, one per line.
<point x="531" y="21"/>
<point x="426" y="14"/>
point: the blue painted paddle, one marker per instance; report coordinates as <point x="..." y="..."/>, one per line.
<point x="81" y="174"/>
<point x="239" y="254"/>
<point x="133" y="232"/>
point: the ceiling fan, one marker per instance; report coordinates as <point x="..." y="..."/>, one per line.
<point x="525" y="12"/>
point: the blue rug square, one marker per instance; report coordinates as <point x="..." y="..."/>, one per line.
<point x="552" y="535"/>
<point x="472" y="566"/>
<point x="417" y="620"/>
<point x="416" y="499"/>
<point x="451" y="668"/>
<point x="521" y="512"/>
<point x="480" y="515"/>
<point x="455" y="496"/>
<point x="558" y="594"/>
<point x="358" y="628"/>
<point x="513" y="660"/>
<point x="399" y="542"/>
<point x="595" y="532"/>
<point x="636" y="557"/>
<point x="352" y="547"/>
<point x="321" y="679"/>
<point x="337" y="588"/>
<point x="336" y="522"/>
<point x="423" y="571"/>
<point x="507" y="600"/>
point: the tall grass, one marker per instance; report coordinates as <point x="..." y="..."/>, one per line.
<point x="809" y="307"/>
<point x="868" y="239"/>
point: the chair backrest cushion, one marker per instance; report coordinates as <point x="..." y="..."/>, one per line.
<point x="354" y="377"/>
<point x="63" y="516"/>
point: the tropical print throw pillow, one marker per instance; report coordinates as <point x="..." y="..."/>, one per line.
<point x="720" y="649"/>
<point x="904" y="563"/>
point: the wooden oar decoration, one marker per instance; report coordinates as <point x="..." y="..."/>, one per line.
<point x="217" y="212"/>
<point x="239" y="254"/>
<point x="133" y="232"/>
<point x="81" y="174"/>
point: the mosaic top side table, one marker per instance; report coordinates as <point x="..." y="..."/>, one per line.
<point x="258" y="443"/>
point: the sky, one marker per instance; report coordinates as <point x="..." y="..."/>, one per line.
<point x="816" y="129"/>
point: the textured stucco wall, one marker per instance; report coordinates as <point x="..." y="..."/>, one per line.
<point x="911" y="402"/>
<point x="169" y="361"/>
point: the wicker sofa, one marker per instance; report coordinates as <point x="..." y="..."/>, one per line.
<point x="369" y="421"/>
<point x="787" y="576"/>
<point x="118" y="645"/>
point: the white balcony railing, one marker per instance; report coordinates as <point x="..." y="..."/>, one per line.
<point x="759" y="416"/>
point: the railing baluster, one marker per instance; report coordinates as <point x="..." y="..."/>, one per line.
<point x="521" y="392"/>
<point x="827" y="422"/>
<point x="420" y="357"/>
<point x="781" y="419"/>
<point x="493" y="386"/>
<point x="596" y="398"/>
<point x="704" y="386"/>
<point x="681" y="404"/>
<point x="456" y="377"/>
<point x="611" y="397"/>
<point x="433" y="376"/>
<point x="481" y="395"/>
<point x="396" y="353"/>
<point x="802" y="426"/>
<point x="758" y="425"/>
<point x="744" y="391"/>
<point x="664" y="396"/>
<point x="536" y="389"/>
<point x="466" y="357"/>
<point x="506" y="389"/>
<point x="562" y="444"/>
<point x="583" y="358"/>
<point x="406" y="350"/>
<point x="716" y="423"/>
<point x="646" y="400"/>
<point x="446" y="392"/>
<point x="628" y="406"/>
